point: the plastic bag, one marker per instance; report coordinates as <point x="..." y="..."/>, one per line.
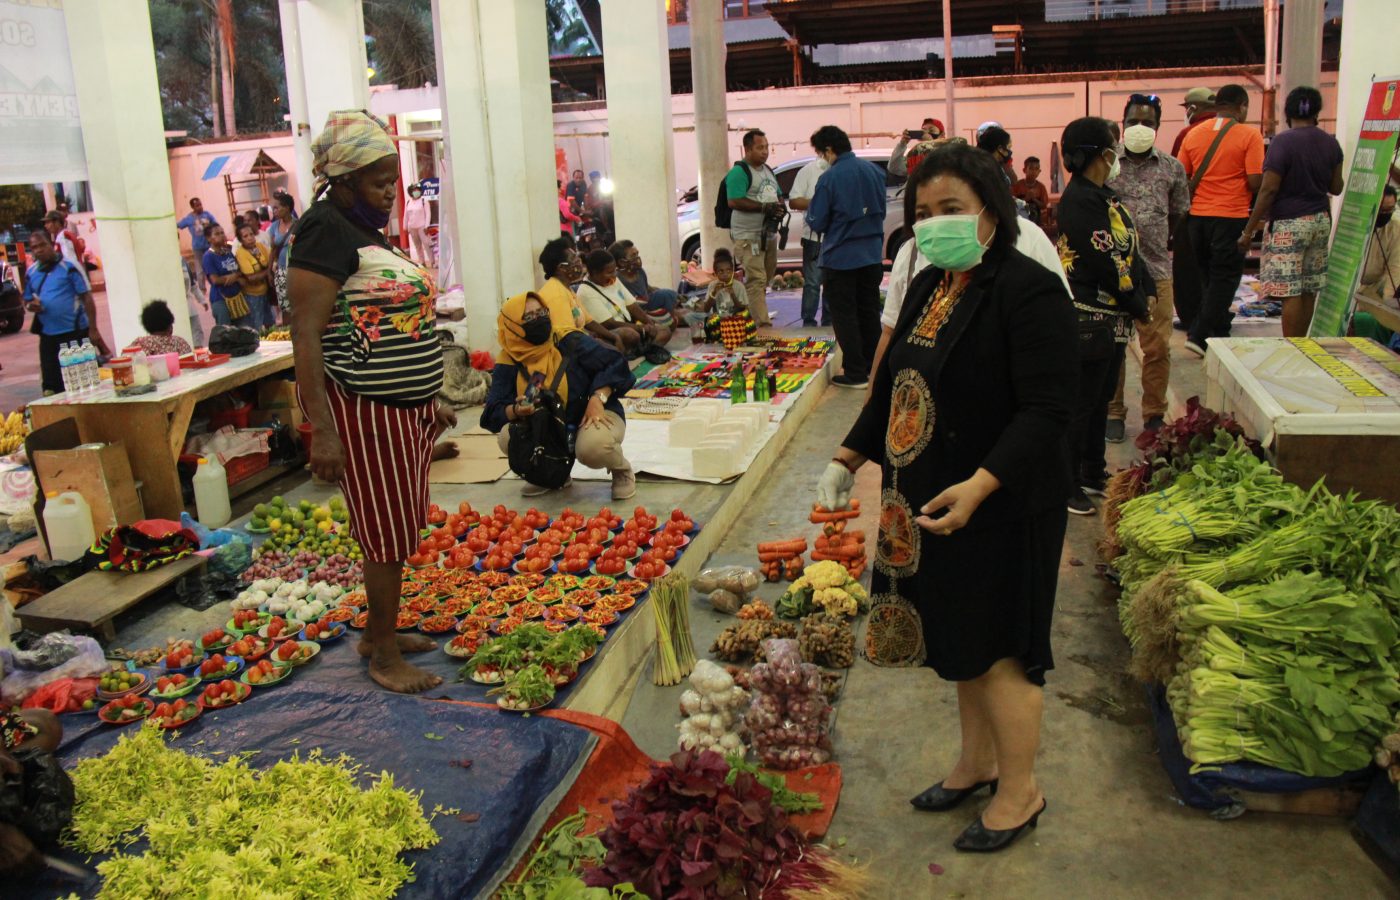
<point x="63" y="696"/>
<point x="47" y="652"/>
<point x="725" y="602"/>
<point x="40" y="800"/>
<point x="209" y="537"/>
<point x="88" y="662"/>
<point x="738" y="580"/>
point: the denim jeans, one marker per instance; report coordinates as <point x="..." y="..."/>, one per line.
<point x="661" y="299"/>
<point x="812" y="284"/>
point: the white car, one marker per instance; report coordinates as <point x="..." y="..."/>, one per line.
<point x="690" y="209"/>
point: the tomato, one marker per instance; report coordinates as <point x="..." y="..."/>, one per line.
<point x="180" y="706"/>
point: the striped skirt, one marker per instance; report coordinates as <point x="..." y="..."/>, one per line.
<point x="387" y="454"/>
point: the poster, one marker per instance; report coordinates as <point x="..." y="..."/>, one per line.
<point x="39" y="126"/>
<point x="1369" y="170"/>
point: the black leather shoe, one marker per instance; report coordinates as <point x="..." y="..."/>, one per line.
<point x="978" y="838"/>
<point x="938" y="798"/>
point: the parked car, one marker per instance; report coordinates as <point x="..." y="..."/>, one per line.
<point x="691" y="208"/>
<point x="11" y="302"/>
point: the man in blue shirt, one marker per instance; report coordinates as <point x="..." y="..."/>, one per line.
<point x="56" y="292"/>
<point x="195" y="223"/>
<point x="848" y="210"/>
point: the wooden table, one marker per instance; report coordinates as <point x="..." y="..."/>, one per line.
<point x="90" y="602"/>
<point x="152" y="426"/>
<point x="1387" y="313"/>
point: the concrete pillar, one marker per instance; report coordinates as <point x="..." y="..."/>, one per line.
<point x="707" y="56"/>
<point x="114" y="68"/>
<point x="332" y="57"/>
<point x="1302" y="46"/>
<point x="499" y="197"/>
<point x="637" y="66"/>
<point x="1367" y="52"/>
<point x="301" y="123"/>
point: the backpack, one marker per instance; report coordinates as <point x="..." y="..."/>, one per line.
<point x="541" y="450"/>
<point x="724" y="216"/>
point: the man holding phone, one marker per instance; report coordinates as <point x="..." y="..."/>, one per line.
<point x="931" y="129"/>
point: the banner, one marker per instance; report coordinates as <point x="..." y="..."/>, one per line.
<point x="1356" y="220"/>
<point x="39" y="128"/>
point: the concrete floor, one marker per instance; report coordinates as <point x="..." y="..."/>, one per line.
<point x="1113" y="827"/>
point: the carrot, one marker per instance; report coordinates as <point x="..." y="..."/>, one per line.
<point x="838" y="555"/>
<point x="856" y="536"/>
<point x="778" y="557"/>
<point x="821" y="517"/>
<point x="796" y="545"/>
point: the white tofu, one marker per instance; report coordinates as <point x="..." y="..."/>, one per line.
<point x="740" y="432"/>
<point x="704" y="413"/>
<point x="713" y="404"/>
<point x="746" y="424"/>
<point x="715" y="459"/>
<point x="688" y="431"/>
<point x="756" y="413"/>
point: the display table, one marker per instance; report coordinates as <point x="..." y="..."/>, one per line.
<point x="1321" y="407"/>
<point x="152" y="426"/>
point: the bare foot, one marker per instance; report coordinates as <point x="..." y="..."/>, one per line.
<point x="408" y="643"/>
<point x="402" y="677"/>
<point x="445" y="450"/>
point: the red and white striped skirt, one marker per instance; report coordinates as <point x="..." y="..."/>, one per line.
<point x="387" y="454"/>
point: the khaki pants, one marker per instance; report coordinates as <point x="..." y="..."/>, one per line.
<point x="1155" y="341"/>
<point x="756" y="263"/>
<point x="599" y="447"/>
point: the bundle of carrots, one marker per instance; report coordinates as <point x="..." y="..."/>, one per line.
<point x="835" y="542"/>
<point x="782" y="559"/>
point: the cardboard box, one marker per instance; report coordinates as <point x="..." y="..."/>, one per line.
<point x="277" y="396"/>
<point x="101" y="473"/>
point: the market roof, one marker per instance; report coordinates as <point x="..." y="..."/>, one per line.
<point x="244" y="162"/>
<point x="858" y="21"/>
<point x="736" y="31"/>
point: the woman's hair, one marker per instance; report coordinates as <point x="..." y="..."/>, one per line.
<point x="599" y="260"/>
<point x="286" y="201"/>
<point x="722" y="255"/>
<point x="994" y="138"/>
<point x="982" y="173"/>
<point x="244" y="226"/>
<point x="1303" y="103"/>
<point x="156" y="317"/>
<point x="209" y="229"/>
<point x="1083" y="140"/>
<point x="554" y="255"/>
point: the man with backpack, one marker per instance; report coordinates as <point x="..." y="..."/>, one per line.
<point x="751" y="206"/>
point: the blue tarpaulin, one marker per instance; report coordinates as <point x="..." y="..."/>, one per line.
<point x="521" y="766"/>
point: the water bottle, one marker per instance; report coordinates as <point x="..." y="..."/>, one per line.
<point x="65" y="366"/>
<point x="91" y="378"/>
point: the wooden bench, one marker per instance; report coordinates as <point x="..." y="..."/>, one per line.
<point x="90" y="602"/>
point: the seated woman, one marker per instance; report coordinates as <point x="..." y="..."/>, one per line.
<point x="659" y="302"/>
<point x="607" y="300"/>
<point x="595" y="378"/>
<point x="160" y="336"/>
<point x="725" y="299"/>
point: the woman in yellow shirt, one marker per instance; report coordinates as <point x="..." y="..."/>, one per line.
<point x="255" y="265"/>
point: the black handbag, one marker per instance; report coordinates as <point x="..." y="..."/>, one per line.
<point x="39" y="801"/>
<point x="541" y="448"/>
<point x="1095" y="338"/>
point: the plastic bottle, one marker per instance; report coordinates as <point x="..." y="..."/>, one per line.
<point x="68" y="525"/>
<point x="738" y="389"/>
<point x="91" y="378"/>
<point x="66" y="360"/>
<point x="760" y="384"/>
<point x="211" y="493"/>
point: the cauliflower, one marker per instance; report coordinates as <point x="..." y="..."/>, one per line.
<point x="827" y="574"/>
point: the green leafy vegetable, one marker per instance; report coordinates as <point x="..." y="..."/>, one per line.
<point x="791" y="801"/>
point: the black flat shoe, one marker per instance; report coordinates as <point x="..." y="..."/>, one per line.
<point x="978" y="838"/>
<point x="938" y="798"/>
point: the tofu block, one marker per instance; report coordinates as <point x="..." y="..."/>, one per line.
<point x="737" y="431"/>
<point x="757" y="413"/>
<point x="714" y="405"/>
<point x="744" y="424"/>
<point x="688" y="431"/>
<point x="715" y="459"/>
<point x="705" y="413"/>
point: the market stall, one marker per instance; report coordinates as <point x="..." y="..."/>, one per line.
<point x="153" y="425"/>
<point x="1321" y="407"/>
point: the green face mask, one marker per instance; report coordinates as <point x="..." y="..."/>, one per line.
<point x="950" y="242"/>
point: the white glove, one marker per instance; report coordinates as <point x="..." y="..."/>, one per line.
<point x="834" y="489"/>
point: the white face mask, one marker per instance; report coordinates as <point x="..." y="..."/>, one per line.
<point x="1139" y="138"/>
<point x="1115" y="168"/>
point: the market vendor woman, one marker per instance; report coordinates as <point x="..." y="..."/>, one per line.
<point x="967" y="420"/>
<point x="368" y="370"/>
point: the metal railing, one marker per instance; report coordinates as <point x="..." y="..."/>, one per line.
<point x="1088" y="10"/>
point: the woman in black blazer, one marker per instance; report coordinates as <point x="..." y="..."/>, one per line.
<point x="968" y="419"/>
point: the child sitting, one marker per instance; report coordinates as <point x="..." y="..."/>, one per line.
<point x="725" y="300"/>
<point x="159" y="323"/>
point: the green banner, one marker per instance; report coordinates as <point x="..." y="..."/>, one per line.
<point x="1356" y="220"/>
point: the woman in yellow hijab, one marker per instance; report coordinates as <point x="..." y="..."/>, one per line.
<point x="533" y="351"/>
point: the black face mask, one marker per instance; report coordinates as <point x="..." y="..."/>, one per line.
<point x="538" y="330"/>
<point x="1383" y="219"/>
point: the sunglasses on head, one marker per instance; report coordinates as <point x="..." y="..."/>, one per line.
<point x="1149" y="99"/>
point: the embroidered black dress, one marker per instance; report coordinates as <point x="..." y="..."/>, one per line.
<point x="982" y="376"/>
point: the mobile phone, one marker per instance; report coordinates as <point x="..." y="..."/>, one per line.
<point x="914" y="134"/>
<point x="533" y="391"/>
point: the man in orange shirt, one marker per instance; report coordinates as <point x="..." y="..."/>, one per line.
<point x="1224" y="158"/>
